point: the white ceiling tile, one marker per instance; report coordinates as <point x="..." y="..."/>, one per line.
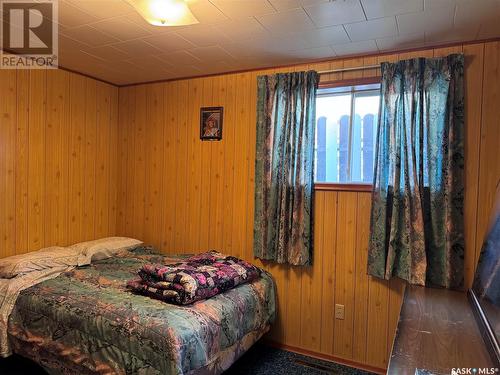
<point x="108" y="53"/>
<point x="452" y="35"/>
<point x="203" y="36"/>
<point x="207" y="13"/>
<point x="102" y="9"/>
<point x="474" y="13"/>
<point x="79" y="58"/>
<point x="136" y="18"/>
<point x="121" y="28"/>
<point x="489" y="30"/>
<point x="136" y="48"/>
<point x="99" y="71"/>
<point x="120" y="73"/>
<point x="281" y="5"/>
<point x="289" y="21"/>
<point x="68" y="44"/>
<point x="120" y="80"/>
<point x="431" y="4"/>
<point x="136" y="75"/>
<point x="179" y="58"/>
<point x="336" y="13"/>
<point x="313" y="53"/>
<point x="244" y="51"/>
<point x="71" y="16"/>
<point x="387" y="8"/>
<point x="183" y="70"/>
<point x="235" y="9"/>
<point x="242" y="28"/>
<point x="401" y="42"/>
<point x="108" y="39"/>
<point x="432" y="20"/>
<point x="376" y="28"/>
<point x="211" y="54"/>
<point x="169" y="42"/>
<point x="355" y="48"/>
<point x="151" y="63"/>
<point x="220" y="67"/>
<point x="323" y="37"/>
<point x="270" y="61"/>
<point x="264" y="47"/>
<point x="125" y="67"/>
<point x="248" y="64"/>
<point x="88" y="35"/>
<point x="144" y="76"/>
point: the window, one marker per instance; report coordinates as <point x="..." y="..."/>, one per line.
<point x="346" y="129"/>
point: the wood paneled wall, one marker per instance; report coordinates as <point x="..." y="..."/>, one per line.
<point x="183" y="195"/>
<point x="58" y="159"/>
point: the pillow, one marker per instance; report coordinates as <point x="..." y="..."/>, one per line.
<point x="105" y="248"/>
<point x="49" y="257"/>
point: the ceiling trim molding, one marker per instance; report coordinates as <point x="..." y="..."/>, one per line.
<point x="88" y="76"/>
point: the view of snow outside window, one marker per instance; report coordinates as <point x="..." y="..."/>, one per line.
<point x="345" y="151"/>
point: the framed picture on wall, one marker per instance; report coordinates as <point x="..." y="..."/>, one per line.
<point x="211" y="123"/>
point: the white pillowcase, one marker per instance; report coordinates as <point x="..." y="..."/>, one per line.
<point x="49" y="257"/>
<point x="105" y="247"/>
<point x="79" y="254"/>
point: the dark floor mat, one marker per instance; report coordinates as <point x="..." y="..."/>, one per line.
<point x="259" y="360"/>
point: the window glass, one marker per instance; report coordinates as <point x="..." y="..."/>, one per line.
<point x="346" y="128"/>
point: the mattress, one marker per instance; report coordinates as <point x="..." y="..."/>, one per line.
<point x="86" y="322"/>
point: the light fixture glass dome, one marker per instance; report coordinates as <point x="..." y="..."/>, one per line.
<point x="165" y="12"/>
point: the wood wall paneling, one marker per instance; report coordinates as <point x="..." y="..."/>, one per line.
<point x="489" y="157"/>
<point x="36" y="161"/>
<point x="58" y="138"/>
<point x="8" y="92"/>
<point x="474" y="55"/>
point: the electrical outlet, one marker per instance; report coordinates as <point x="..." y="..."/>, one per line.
<point x="339" y="311"/>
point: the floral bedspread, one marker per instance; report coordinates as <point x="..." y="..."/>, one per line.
<point x="86" y="322"/>
<point x="196" y="278"/>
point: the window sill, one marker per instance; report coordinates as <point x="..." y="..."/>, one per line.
<point x="343" y="187"/>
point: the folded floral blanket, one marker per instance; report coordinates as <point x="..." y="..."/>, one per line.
<point x="198" y="277"/>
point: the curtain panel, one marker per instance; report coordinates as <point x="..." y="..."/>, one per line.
<point x="284" y="167"/>
<point x="417" y="201"/>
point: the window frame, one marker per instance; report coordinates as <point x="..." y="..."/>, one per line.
<point x="346" y="186"/>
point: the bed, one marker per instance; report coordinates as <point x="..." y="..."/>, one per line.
<point x="85" y="321"/>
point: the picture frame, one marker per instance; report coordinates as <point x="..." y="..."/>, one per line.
<point x="211" y="120"/>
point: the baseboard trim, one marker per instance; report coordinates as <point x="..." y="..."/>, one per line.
<point x="326" y="357"/>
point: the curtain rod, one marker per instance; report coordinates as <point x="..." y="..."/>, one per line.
<point x="349" y="69"/>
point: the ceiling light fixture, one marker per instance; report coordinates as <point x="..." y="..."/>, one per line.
<point x="165" y="12"/>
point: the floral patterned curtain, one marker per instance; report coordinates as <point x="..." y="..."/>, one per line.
<point x="284" y="167"/>
<point x="417" y="203"/>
